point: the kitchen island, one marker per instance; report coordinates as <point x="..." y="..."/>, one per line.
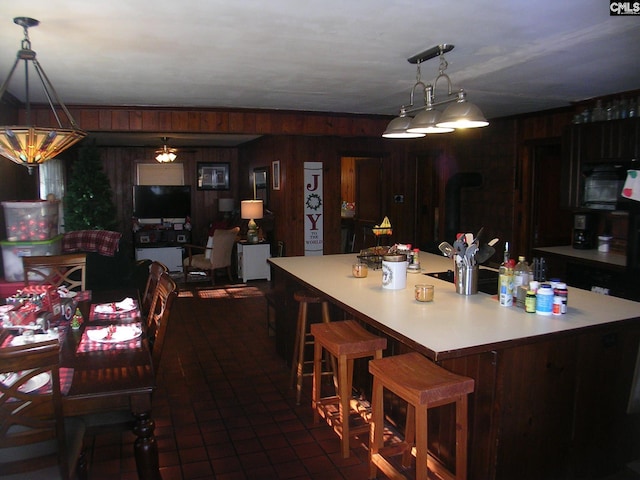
<point x="552" y="393"/>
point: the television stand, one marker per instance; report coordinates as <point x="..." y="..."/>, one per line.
<point x="162" y="245"/>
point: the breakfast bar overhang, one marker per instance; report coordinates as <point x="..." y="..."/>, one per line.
<point x="555" y="396"/>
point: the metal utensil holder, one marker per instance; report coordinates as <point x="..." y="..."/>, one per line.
<point x="465" y="278"/>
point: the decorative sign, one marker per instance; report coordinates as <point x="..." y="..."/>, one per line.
<point x="313" y="209"/>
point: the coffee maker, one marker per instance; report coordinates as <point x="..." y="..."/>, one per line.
<point x="583" y="231"/>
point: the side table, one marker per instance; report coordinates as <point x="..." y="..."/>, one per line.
<point x="252" y="261"/>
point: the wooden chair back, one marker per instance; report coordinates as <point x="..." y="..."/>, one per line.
<point x="158" y="316"/>
<point x="156" y="269"/>
<point x="69" y="270"/>
<point x="29" y="421"/>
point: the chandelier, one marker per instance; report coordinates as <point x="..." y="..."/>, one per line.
<point x="459" y="114"/>
<point x="166" y="154"/>
<point x="30" y="145"/>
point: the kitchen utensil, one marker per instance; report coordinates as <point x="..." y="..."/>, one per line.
<point x="493" y="241"/>
<point x="459" y="247"/>
<point x="470" y="254"/>
<point x="446" y="249"/>
<point x="476" y="240"/>
<point x="485" y="252"/>
<point x="468" y="238"/>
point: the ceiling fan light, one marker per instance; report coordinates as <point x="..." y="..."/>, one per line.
<point x="166" y="157"/>
<point x="462" y="114"/>
<point x="397" y="128"/>
<point x="425" y="122"/>
<point x="166" y="154"/>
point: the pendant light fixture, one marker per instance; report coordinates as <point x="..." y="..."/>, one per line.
<point x="166" y="154"/>
<point x="461" y="114"/>
<point x="30" y="145"/>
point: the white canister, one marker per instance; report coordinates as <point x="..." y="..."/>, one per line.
<point x="394" y="272"/>
<point x="603" y="243"/>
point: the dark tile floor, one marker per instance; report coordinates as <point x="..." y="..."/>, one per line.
<point x="224" y="409"/>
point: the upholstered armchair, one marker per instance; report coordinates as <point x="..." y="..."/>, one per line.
<point x="217" y="254"/>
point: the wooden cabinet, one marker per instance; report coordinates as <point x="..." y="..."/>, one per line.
<point x="596" y="143"/>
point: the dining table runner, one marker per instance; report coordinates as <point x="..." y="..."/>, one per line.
<point x="88" y="345"/>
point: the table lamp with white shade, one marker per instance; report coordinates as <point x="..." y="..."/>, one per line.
<point x="251" y="210"/>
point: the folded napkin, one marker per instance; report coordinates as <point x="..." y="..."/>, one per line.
<point x="122" y="306"/>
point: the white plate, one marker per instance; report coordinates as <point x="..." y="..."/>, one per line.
<point x="35" y="383"/>
<point x="40" y="337"/>
<point x="122" y="333"/>
<point x="111" y="308"/>
<point x="32" y="384"/>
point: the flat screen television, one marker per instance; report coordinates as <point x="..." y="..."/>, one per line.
<point x="161" y="201"/>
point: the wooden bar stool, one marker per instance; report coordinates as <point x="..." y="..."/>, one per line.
<point x="422" y="384"/>
<point x="346" y="341"/>
<point x="304" y="298"/>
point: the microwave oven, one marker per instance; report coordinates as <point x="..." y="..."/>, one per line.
<point x="602" y="185"/>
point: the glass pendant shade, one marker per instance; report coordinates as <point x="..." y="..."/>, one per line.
<point x="30" y="145"/>
<point x="425" y="122"/>
<point x="462" y="114"/>
<point x="397" y="128"/>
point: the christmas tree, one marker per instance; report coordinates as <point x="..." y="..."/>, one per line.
<point x="88" y="203"/>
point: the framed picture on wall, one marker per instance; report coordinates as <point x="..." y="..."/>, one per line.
<point x="213" y="176"/>
<point x="275" y="167"/>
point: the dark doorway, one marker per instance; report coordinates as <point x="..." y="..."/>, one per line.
<point x="361" y="179"/>
<point x="550" y="225"/>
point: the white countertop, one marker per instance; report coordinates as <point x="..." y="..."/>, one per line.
<point x="593" y="255"/>
<point x="451" y="323"/>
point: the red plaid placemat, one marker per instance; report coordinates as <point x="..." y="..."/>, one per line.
<point x="83" y="296"/>
<point x="129" y="314"/>
<point x="87" y="345"/>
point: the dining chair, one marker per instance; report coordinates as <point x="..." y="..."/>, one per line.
<point x="156" y="269"/>
<point x="69" y="270"/>
<point x="166" y="292"/>
<point x="36" y="441"/>
<point x="217" y="254"/>
<point x="156" y="320"/>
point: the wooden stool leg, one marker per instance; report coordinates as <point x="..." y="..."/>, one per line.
<point x="330" y="359"/>
<point x="376" y="429"/>
<point x="409" y="435"/>
<point x="301" y="344"/>
<point x="421" y="442"/>
<point x="296" y="345"/>
<point x="461" y="438"/>
<point x="326" y="318"/>
<point x="344" y="392"/>
<point x="316" y="389"/>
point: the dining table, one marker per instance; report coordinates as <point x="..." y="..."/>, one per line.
<point x="106" y="367"/>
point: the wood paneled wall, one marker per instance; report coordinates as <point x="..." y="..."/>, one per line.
<point x="295" y="137"/>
